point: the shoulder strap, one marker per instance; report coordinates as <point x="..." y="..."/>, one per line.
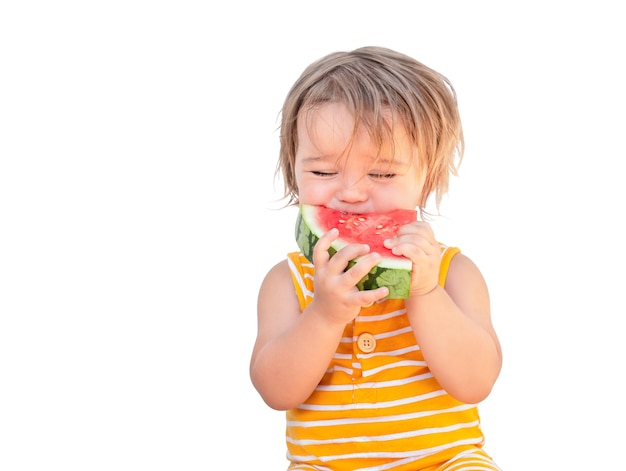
<point x="302" y="276"/>
<point x="446" y="257"/>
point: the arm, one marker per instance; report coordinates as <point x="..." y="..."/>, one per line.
<point x="293" y="349"/>
<point x="454" y="330"/>
<point x="452" y="325"/>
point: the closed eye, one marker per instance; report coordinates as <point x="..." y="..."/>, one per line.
<point x="323" y="174"/>
<point x="382" y="176"/>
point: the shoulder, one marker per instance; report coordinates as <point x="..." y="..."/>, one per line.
<point x="463" y="270"/>
<point x="465" y="282"/>
<point x="279" y="274"/>
<point x="277" y="302"/>
<point x="281" y="281"/>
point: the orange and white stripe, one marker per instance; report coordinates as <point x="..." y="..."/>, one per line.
<point x="378" y="406"/>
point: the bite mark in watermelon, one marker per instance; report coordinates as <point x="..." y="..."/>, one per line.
<point x="392" y="271"/>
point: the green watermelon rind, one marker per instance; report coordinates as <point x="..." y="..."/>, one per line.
<point x="394" y="273"/>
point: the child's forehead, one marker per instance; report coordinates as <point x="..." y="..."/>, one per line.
<point x="331" y="131"/>
<point x="339" y="120"/>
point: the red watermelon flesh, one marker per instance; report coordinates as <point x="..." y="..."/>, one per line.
<point x="371" y="228"/>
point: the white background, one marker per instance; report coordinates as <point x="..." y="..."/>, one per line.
<point x="138" y="216"/>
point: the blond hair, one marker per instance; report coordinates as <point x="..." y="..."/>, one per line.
<point x="371" y="81"/>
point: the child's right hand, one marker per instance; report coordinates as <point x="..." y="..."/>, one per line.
<point x="336" y="296"/>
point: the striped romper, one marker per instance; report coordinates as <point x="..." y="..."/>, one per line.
<point x="378" y="406"/>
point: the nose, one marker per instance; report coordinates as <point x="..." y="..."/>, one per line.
<point x="353" y="190"/>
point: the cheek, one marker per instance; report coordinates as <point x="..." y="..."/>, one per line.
<point x="314" y="192"/>
<point x="406" y="195"/>
<point x="313" y="196"/>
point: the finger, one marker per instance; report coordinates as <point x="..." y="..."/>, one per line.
<point x="320" y="251"/>
<point x="362" y="268"/>
<point x="349" y="253"/>
<point x="369" y="297"/>
<point x="419" y="235"/>
<point x="417" y="227"/>
<point x="413" y="250"/>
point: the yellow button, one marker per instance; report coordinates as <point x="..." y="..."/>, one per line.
<point x="366" y="342"/>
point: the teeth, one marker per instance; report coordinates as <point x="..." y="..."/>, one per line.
<point x="342" y="221"/>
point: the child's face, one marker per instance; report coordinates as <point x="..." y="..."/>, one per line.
<point x="353" y="176"/>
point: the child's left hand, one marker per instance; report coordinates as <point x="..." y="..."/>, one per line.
<point x="416" y="241"/>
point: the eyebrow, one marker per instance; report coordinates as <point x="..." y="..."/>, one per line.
<point x="314" y="158"/>
<point x="384" y="161"/>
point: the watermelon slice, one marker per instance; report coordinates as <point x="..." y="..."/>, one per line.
<point x="393" y="272"/>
